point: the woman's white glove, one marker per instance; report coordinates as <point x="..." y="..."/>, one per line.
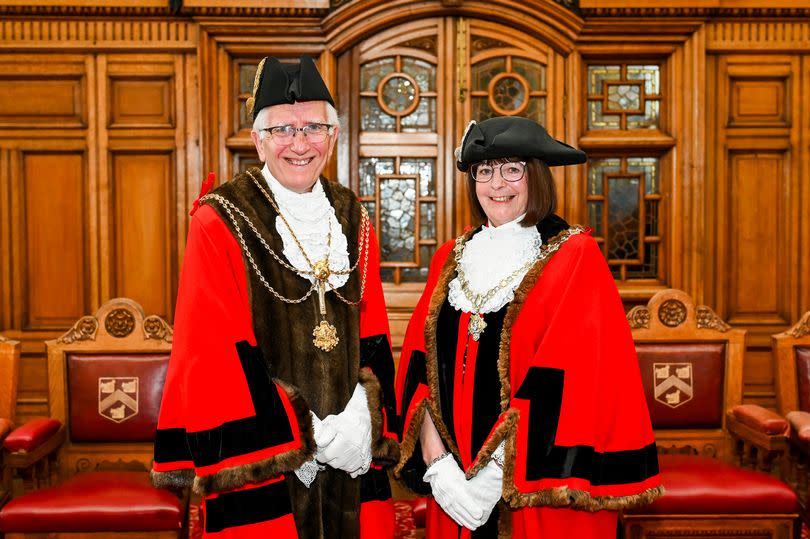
<point x="451" y="492"/>
<point x="486" y="487"/>
<point x="347" y="436"/>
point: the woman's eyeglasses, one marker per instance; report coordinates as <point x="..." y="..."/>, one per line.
<point x="284" y="134"/>
<point x="511" y="171"/>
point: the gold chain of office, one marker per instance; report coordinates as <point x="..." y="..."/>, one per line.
<point x="477" y="325"/>
<point x="325" y="334"/>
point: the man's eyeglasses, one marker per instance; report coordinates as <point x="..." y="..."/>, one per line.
<point x="511" y="171"/>
<point x="284" y="134"/>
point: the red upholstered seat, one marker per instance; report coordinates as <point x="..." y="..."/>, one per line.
<point x="702" y="486"/>
<point x="32" y="434"/>
<point x="95" y="502"/>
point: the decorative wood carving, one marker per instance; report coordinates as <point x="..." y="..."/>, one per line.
<point x="672" y="313"/>
<point x="119" y="323"/>
<point x="733" y="36"/>
<point x="639" y="317"/>
<point x="707" y="319"/>
<point x="101" y="33"/>
<point x="801" y="328"/>
<point x="84" y="330"/>
<point x="154" y="327"/>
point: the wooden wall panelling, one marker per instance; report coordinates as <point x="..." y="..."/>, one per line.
<point x="803" y="195"/>
<point x="139" y="173"/>
<point x="754" y="276"/>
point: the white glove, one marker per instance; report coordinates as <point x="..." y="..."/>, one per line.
<point x="451" y="492"/>
<point x="350" y="447"/>
<point x="307" y="472"/>
<point x="486" y="487"/>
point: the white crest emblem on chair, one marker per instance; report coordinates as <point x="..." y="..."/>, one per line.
<point x="118" y="398"/>
<point x="673" y="383"/>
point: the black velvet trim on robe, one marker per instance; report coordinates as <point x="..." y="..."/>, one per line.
<point x="269" y="427"/>
<point x="375" y="353"/>
<point x="243" y="507"/>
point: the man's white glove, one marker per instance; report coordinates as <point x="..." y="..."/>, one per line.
<point x="349" y="448"/>
<point x="486" y="487"/>
<point x="307" y="472"/>
<point x="451" y="492"/>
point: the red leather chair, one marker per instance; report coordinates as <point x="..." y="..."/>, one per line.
<point x="691" y="365"/>
<point x="763" y="446"/>
<point x="105" y="384"/>
<point x="9" y="372"/>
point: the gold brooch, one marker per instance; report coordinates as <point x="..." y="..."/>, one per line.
<point x="325" y="336"/>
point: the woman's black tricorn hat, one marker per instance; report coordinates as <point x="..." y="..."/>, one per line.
<point x="278" y="84"/>
<point x="513" y="136"/>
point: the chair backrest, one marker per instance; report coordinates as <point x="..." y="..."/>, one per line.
<point x="791" y="350"/>
<point x="691" y="368"/>
<point x="9" y="374"/>
<point x="106" y="377"/>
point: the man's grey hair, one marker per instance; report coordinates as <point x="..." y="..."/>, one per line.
<point x="261" y="119"/>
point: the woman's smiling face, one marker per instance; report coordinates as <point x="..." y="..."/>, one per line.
<point x="502" y="201"/>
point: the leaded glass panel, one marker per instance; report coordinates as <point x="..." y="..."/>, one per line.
<point x="599" y="73"/>
<point x="648" y="166"/>
<point x="397" y="219"/>
<point x="533" y="72"/>
<point x="423" y="119"/>
<point x="372" y="117"/>
<point x="648" y="120"/>
<point x="623" y="218"/>
<point x="624" y="97"/>
<point x="372" y="210"/>
<point x="247" y="74"/>
<point x="649" y="269"/>
<point x="509" y="93"/>
<point x="373" y="72"/>
<point x="424" y="169"/>
<point x="598" y="168"/>
<point x="427" y="220"/>
<point x="423" y="72"/>
<point x="536" y="109"/>
<point x="370" y="168"/>
<point x="650" y="74"/>
<point x="483" y="72"/>
<point x="651" y="218"/>
<point x="595" y="217"/>
<point x="598" y="120"/>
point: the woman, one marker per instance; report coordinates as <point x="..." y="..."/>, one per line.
<point x="519" y="380"/>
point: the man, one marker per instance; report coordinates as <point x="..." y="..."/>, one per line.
<point x="278" y="404"/>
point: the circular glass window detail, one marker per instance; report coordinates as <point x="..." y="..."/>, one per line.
<point x="398" y="94"/>
<point x="508" y="93"/>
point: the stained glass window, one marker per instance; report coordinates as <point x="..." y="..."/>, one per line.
<point x="508" y="86"/>
<point x="624" y="96"/>
<point x="398" y="106"/>
<point x="398" y="94"/>
<point x="624" y="212"/>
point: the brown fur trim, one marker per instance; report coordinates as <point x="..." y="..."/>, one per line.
<point x="172" y="479"/>
<point x="436" y="301"/>
<point x="504" y="521"/>
<point x="256" y="472"/>
<point x="506" y="428"/>
<point x="384" y="450"/>
<point x="410" y="439"/>
<point x="563" y="496"/>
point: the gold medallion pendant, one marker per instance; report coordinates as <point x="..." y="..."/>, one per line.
<point x="325" y="336"/>
<point x="476" y="326"/>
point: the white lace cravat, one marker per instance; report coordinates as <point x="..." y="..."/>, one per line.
<point x="310" y="215"/>
<point x="491" y="255"/>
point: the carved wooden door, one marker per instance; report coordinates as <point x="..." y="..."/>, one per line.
<point x="410" y="92"/>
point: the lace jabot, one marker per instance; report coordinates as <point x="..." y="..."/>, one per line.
<point x="489" y="256"/>
<point x="311" y="216"/>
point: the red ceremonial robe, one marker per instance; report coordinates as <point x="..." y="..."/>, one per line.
<point x="234" y="420"/>
<point x="554" y="375"/>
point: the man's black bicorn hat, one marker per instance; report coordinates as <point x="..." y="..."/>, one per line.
<point x="278" y="84"/>
<point x="513" y="136"/>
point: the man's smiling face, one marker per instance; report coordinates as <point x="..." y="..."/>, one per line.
<point x="296" y="164"/>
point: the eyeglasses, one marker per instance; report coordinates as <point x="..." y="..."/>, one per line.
<point x="314" y="132"/>
<point x="511" y="171"/>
